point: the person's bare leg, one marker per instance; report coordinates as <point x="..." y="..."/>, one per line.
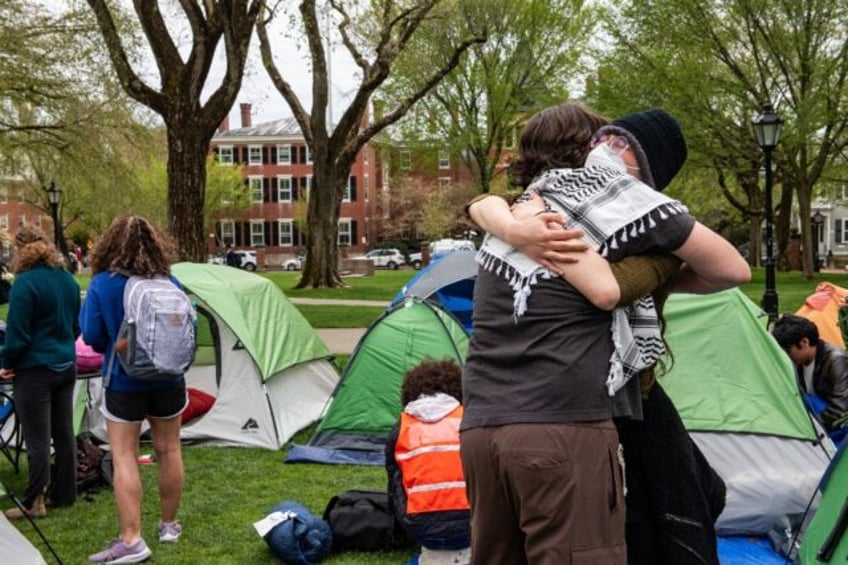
<point x="169" y="458"/>
<point x="123" y="441"/>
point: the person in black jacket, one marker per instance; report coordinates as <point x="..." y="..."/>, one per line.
<point x="822" y="368"/>
<point x="426" y="482"/>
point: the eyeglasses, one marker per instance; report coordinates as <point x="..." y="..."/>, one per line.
<point x="617" y="143"/>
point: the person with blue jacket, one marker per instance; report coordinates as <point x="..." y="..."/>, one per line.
<point x="39" y="353"/>
<point x="132" y="246"/>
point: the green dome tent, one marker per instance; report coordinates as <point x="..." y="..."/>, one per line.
<point x="366" y="402"/>
<point x="735" y="390"/>
<point x="267" y="368"/>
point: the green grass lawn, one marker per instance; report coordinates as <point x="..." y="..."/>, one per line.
<point x="227" y="489"/>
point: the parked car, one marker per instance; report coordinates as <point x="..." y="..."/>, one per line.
<point x="294" y="264"/>
<point x="246" y="259"/>
<point x="415" y="260"/>
<point x="389" y="258"/>
<point x="443" y="246"/>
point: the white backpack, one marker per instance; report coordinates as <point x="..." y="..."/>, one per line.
<point x="156" y="340"/>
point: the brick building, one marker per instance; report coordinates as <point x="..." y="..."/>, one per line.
<point x="278" y="170"/>
<point x="16" y="212"/>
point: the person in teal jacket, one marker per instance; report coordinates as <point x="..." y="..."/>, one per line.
<point x="39" y="354"/>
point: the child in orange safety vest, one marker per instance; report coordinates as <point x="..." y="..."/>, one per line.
<point x="426" y="483"/>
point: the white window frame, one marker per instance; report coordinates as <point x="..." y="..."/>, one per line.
<point x="228" y="232"/>
<point x="285" y="239"/>
<point x="345" y="232"/>
<point x="405" y="160"/>
<point x="255" y="183"/>
<point x="308" y="186"/>
<point x="346" y="197"/>
<point x="225" y="155"/>
<point x="284" y="194"/>
<point x="257" y="239"/>
<point x="444" y="182"/>
<point x="444" y="158"/>
<point x="284" y="149"/>
<point x="254" y="154"/>
<point x="839" y="225"/>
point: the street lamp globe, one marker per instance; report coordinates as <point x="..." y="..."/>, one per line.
<point x="768" y="127"/>
<point x="54" y="196"/>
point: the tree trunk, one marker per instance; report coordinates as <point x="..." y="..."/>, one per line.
<point x="322" y="255"/>
<point x="186" y="190"/>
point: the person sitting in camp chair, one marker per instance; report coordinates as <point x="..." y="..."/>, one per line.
<point x="426" y="482"/>
<point x="822" y="370"/>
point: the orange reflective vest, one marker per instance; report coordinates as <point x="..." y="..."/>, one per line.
<point x="428" y="456"/>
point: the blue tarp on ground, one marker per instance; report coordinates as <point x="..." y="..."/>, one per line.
<point x="740" y="550"/>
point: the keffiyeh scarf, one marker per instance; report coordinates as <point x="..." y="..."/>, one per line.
<point x="611" y="209"/>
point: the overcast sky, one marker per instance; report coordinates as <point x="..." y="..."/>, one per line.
<point x="291" y="56"/>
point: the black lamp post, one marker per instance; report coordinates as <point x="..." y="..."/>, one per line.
<point x="818" y="223"/>
<point x="767" y="127"/>
<point x="54" y="196"/>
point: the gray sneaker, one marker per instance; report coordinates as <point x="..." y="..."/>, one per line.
<point x="117" y="552"/>
<point x="169" y="532"/>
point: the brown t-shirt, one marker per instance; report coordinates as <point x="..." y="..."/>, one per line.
<point x="549" y="365"/>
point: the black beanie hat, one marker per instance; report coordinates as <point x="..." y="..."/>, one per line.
<point x="658" y="142"/>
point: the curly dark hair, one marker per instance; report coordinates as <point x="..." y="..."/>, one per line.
<point x="33" y="248"/>
<point x="131" y="244"/>
<point x="555" y="138"/>
<point x="431" y="376"/>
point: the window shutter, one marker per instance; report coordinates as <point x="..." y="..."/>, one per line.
<point x="273" y="154"/>
<point x="838" y="226"/>
<point x="275" y="190"/>
<point x="239" y="233"/>
<point x="295" y="235"/>
<point x="245" y="152"/>
<point x="294" y="190"/>
<point x="354" y="237"/>
<point x="215" y="152"/>
<point x="352" y="188"/>
<point x="293" y="154"/>
<point x="302" y="153"/>
<point x="268" y="233"/>
<point x="264" y="155"/>
<point x="275" y="233"/>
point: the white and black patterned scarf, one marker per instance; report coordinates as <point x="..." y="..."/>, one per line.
<point x="611" y="209"/>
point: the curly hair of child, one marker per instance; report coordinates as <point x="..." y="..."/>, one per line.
<point x="432" y="376"/>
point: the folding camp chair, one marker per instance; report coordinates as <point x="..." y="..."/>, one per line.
<point x="11" y="439"/>
<point x="7" y="494"/>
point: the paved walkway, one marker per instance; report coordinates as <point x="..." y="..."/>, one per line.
<point x="338" y="302"/>
<point x="340" y="340"/>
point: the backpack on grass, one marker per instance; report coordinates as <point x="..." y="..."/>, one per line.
<point x="156" y="340"/>
<point x="94" y="465"/>
<point x="362" y="520"/>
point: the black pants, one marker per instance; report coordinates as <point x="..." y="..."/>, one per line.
<point x="44" y="405"/>
<point x="673" y="495"/>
